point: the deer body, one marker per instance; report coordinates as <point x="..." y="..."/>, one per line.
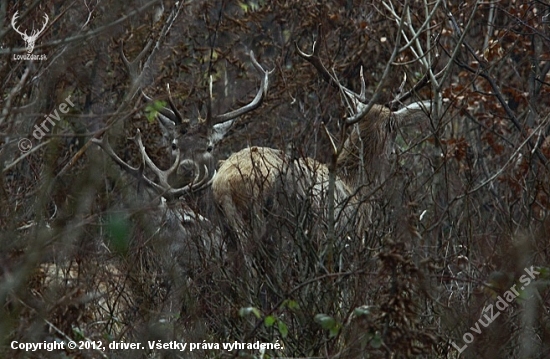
<point x="250" y="182"/>
<point x="257" y="180"/>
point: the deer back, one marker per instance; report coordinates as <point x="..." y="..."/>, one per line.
<point x="259" y="181"/>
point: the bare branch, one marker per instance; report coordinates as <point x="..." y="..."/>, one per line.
<point x="135" y="79"/>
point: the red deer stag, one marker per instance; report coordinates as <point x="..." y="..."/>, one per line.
<point x="249" y="182"/>
<point x="191" y="145"/>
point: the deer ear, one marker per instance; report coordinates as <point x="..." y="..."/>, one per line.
<point x="167" y="124"/>
<point x="219" y="131"/>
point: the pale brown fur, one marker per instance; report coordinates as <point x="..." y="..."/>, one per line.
<point x="250" y="179"/>
<point x="368" y="140"/>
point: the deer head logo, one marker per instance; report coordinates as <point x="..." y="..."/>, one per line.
<point x="29" y="39"/>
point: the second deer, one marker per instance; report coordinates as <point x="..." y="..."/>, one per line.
<point x="256" y="182"/>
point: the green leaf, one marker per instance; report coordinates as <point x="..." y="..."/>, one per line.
<point x="78" y="333"/>
<point x="152" y="109"/>
<point x="362" y="311"/>
<point x="243" y="6"/>
<point x="118" y="232"/>
<point x="329" y="323"/>
<point x="544" y="272"/>
<point x="334" y="331"/>
<point x="247" y="310"/>
<point x="291" y="304"/>
<point x="283" y="329"/>
<point x="326" y="321"/>
<point x="376" y="341"/>
<point x="269" y="321"/>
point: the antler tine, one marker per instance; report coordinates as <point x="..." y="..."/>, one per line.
<point x="133" y="67"/>
<point x="164" y="189"/>
<point x="209" y="102"/>
<point x="255" y="103"/>
<point x="149" y="99"/>
<point x="358" y="108"/>
<point x="162" y="175"/>
<point x="172" y="113"/>
<point x="363" y="94"/>
<point x="13" y="20"/>
<point x="423" y="82"/>
<point x="177" y="114"/>
<point x="402" y="86"/>
<point x="46" y="18"/>
<point x="135" y="171"/>
<point x="198" y="183"/>
<point x="315" y="60"/>
<point x="106" y="146"/>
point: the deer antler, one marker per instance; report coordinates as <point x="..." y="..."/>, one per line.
<point x="164" y="188"/>
<point x="255" y="103"/>
<point x="34" y="32"/>
<point x="393" y="104"/>
<point x="315" y="60"/>
<point x="46" y="19"/>
<point x="358" y="106"/>
<point x="13" y="19"/>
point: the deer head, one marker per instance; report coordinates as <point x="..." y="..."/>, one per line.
<point x="29" y="39"/>
<point x="190" y="145"/>
<point x="371" y="126"/>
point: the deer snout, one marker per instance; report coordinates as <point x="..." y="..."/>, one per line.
<point x="186" y="168"/>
